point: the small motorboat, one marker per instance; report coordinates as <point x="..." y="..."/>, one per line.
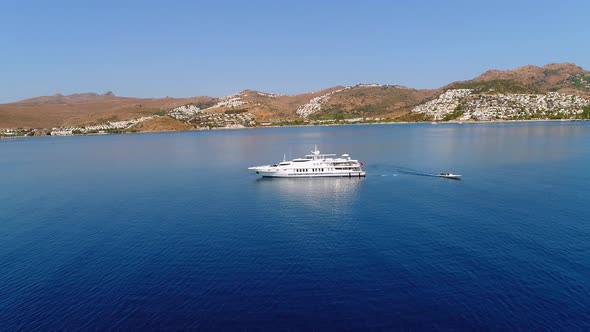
<point x="450" y="176"/>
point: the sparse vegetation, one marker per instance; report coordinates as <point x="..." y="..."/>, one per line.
<point x="112" y="118"/>
<point x="235" y="111"/>
<point x="414" y="117"/>
<point x="291" y="123"/>
<point x="453" y="115"/>
<point x="204" y="104"/>
<point x="496" y="86"/>
<point x="581" y="82"/>
<point x="585" y="114"/>
<point x="370" y="110"/>
<point x="335" y="112"/>
<point x="549" y="72"/>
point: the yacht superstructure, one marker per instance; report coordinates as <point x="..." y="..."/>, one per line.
<point x="315" y="164"/>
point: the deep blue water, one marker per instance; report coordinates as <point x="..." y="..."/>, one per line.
<point x="171" y="231"/>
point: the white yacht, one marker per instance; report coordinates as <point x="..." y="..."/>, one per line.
<point x="315" y="164"/>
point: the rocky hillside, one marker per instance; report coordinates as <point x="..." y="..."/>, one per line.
<point x="465" y="105"/>
<point x="554" y="91"/>
<point x="566" y="78"/>
<point x="372" y="101"/>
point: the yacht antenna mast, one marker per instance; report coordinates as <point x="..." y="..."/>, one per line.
<point x="315" y="149"/>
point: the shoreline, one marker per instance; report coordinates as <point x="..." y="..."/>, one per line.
<point x="312" y="125"/>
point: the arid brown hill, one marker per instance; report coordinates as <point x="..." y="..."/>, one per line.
<point x="363" y="100"/>
<point x="268" y="107"/>
<point x="560" y="77"/>
<point x="390" y="101"/>
<point x="85" y="108"/>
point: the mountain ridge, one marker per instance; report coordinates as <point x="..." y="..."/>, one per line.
<point x="334" y="103"/>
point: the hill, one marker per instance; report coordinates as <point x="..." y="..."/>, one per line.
<point x="267" y="107"/>
<point x="555" y="77"/>
<point x="554" y="91"/>
<point x="550" y="91"/>
<point x="85" y="108"/>
<point x="372" y="100"/>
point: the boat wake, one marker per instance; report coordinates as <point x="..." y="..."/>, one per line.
<point x="410" y="171"/>
<point x="380" y="170"/>
<point x="385" y="170"/>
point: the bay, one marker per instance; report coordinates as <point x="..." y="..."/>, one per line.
<point x="171" y="231"/>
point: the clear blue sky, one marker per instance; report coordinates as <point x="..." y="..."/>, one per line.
<point x="190" y="48"/>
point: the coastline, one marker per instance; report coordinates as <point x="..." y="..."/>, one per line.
<point x="312" y="125"/>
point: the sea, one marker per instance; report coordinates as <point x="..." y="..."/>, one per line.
<point x="171" y="231"/>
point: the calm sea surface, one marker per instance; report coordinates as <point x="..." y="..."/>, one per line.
<point x="171" y="231"/>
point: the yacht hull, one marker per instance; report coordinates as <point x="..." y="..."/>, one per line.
<point x="318" y="175"/>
